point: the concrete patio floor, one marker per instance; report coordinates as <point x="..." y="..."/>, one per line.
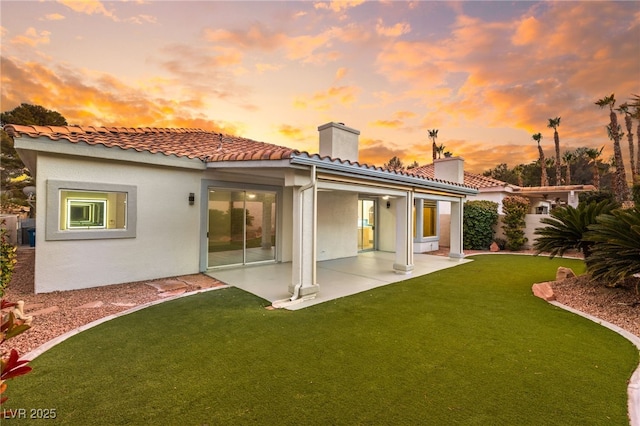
<point x="336" y="278"/>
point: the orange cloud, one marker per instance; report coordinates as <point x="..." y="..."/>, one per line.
<point x="256" y="37"/>
<point x="394" y="31"/>
<point x="392" y="124"/>
<point x="528" y="31"/>
<point x="291" y="132"/>
<point x="338" y="5"/>
<point x="323" y="100"/>
<point x="98" y="99"/>
<point x="54" y="17"/>
<point x="89" y="7"/>
<point x="32" y="37"/>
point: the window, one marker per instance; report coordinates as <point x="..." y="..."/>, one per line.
<point x="78" y="210"/>
<point x="429" y="219"/>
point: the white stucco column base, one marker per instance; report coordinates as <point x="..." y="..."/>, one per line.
<point x="402" y="269"/>
<point x="305" y="291"/>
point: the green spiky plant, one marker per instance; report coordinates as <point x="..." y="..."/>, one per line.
<point x="616" y="250"/>
<point x="566" y="228"/>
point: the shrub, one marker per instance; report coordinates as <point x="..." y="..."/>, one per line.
<point x="616" y="252"/>
<point x="597" y="196"/>
<point x="515" y="209"/>
<point x="567" y="226"/>
<point x="7" y="258"/>
<point x="635" y="193"/>
<point x="479" y="218"/>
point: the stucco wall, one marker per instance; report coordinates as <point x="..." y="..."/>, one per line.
<point x="337" y="225"/>
<point x="167" y="236"/>
<point x="387" y="226"/>
<point x="532" y="222"/>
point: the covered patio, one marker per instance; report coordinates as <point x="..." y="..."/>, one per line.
<point x="336" y="278"/>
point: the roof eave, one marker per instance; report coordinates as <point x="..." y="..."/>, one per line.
<point x="380" y="175"/>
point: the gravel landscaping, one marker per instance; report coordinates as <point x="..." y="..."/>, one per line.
<point x="59" y="312"/>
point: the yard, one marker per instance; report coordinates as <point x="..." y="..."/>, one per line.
<point x="466" y="345"/>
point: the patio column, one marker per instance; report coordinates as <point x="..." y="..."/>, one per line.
<point x="303" y="265"/>
<point x="456" y="245"/>
<point x="404" y="235"/>
<point x="267" y="205"/>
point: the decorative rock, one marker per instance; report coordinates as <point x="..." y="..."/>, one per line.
<point x="543" y="291"/>
<point x="563" y="273"/>
<point x="44" y="311"/>
<point x="494" y="247"/>
<point x="90" y="305"/>
<point x="123" y="304"/>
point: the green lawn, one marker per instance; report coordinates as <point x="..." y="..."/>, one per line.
<point x="468" y="345"/>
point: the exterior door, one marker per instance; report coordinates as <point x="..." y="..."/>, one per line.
<point x="366" y="224"/>
<point x="242" y="227"/>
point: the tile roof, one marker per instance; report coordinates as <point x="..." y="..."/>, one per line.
<point x="470" y="179"/>
<point x="191" y="143"/>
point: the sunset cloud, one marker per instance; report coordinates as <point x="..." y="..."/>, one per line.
<point x="292" y="132"/>
<point x="394" y="31"/>
<point x="54" y="17"/>
<point x="89" y="7"/>
<point x="32" y="37"/>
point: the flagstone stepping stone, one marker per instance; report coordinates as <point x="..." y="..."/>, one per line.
<point x="90" y="305"/>
<point x="44" y="311"/>
<point x="33" y="306"/>
<point x="170" y="293"/>
<point x="167" y="285"/>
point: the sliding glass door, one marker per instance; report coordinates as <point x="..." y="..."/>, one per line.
<point x="366" y="224"/>
<point x="242" y="227"/>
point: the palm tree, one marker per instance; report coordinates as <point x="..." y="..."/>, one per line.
<point x="544" y="181"/>
<point x="569" y="158"/>
<point x="624" y="108"/>
<point x="594" y="156"/>
<point x="635" y="104"/>
<point x="440" y="150"/>
<point x="433" y="134"/>
<point x="553" y="124"/>
<point x="621" y="188"/>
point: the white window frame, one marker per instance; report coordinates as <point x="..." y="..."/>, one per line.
<point x="53" y="212"/>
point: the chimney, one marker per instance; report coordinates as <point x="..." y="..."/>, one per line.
<point x="449" y="168"/>
<point x="338" y="141"/>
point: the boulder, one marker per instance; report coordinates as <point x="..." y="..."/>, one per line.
<point x="494" y="247"/>
<point x="563" y="273"/>
<point x="543" y="291"/>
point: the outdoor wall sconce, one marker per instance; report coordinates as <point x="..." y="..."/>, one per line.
<point x="388" y="204"/>
<point x="192" y="198"/>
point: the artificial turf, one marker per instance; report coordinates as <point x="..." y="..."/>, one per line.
<point x="467" y="345"/>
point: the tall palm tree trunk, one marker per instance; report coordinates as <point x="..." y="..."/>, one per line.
<point x="622" y="189"/>
<point x="556" y="139"/>
<point x="544" y="180"/>
<point x="629" y="124"/>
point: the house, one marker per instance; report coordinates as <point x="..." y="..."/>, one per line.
<point x="542" y="199"/>
<point x="120" y="204"/>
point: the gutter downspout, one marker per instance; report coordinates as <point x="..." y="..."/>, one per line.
<point x="313" y="184"/>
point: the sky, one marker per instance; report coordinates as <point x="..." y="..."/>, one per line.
<point x="486" y="74"/>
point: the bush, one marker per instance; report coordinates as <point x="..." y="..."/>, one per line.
<point x="515" y="209"/>
<point x="616" y="251"/>
<point x="7" y="258"/>
<point x="597" y="196"/>
<point x="635" y="193"/>
<point x="479" y="218"/>
<point x="567" y="227"/>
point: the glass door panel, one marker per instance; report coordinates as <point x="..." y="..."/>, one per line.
<point x="242" y="227"/>
<point x="366" y="224"/>
<point x="226" y="229"/>
<point x="260" y="226"/>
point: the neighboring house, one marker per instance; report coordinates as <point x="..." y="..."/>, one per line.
<point x="542" y="199"/>
<point x="117" y="205"/>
